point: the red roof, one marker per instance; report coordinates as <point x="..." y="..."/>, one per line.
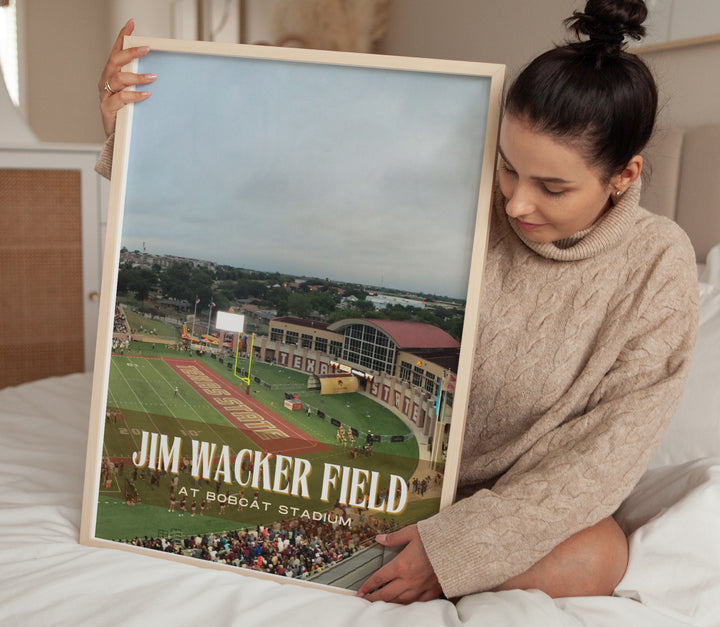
<point x="406" y="334"/>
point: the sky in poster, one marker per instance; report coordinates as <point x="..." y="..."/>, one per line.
<point x="357" y="174"/>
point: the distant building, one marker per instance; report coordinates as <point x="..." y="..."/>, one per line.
<point x="382" y="301"/>
<point x="146" y="260"/>
<point x="403" y="364"/>
<point x="349" y="302"/>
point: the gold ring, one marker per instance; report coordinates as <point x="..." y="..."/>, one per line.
<point x="109" y="89"/>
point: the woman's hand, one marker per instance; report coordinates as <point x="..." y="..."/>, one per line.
<point x="408" y="577"/>
<point x="113" y="82"/>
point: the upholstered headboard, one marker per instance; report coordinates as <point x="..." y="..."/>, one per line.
<point x="683" y="182"/>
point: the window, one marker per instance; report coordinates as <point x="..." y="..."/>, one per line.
<point x="353" y="346"/>
<point x="335" y="348"/>
<point x="370" y="348"/>
<point x="306" y="340"/>
<point x="321" y="344"/>
<point x="9" y="50"/>
<point x="291" y="337"/>
<point x="405" y="370"/>
<point x="276" y="334"/>
<point x="430" y="383"/>
<point x="417" y="377"/>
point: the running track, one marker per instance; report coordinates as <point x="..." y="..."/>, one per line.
<point x="294" y="441"/>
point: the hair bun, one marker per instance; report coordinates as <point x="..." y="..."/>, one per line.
<point x="609" y="22"/>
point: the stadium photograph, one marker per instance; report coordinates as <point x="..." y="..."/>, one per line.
<point x="341" y="228"/>
<point x="214" y="449"/>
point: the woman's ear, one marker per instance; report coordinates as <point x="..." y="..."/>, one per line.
<point x="628" y="176"/>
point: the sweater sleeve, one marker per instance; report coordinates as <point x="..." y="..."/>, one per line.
<point x="104" y="163"/>
<point x="578" y="473"/>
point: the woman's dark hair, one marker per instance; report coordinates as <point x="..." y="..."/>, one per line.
<point x="592" y="91"/>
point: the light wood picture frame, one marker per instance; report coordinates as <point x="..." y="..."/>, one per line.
<point x="336" y="207"/>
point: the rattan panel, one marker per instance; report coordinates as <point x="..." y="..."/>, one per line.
<point x="41" y="319"/>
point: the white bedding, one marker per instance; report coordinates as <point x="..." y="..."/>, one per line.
<point x="47" y="578"/>
<point x="695" y="430"/>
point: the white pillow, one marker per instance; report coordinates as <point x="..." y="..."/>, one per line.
<point x="695" y="429"/>
<point x="709" y="272"/>
<point x="673" y="516"/>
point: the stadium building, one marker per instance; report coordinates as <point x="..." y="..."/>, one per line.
<point x="409" y="367"/>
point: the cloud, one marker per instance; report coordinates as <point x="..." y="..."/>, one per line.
<point x="364" y="175"/>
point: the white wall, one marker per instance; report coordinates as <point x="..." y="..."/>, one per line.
<point x="152" y="19"/>
<point x="514" y="31"/>
<point x="64" y="44"/>
<point x="670" y="20"/>
<point x="688" y="82"/>
<point x="496" y="31"/>
<point x="68" y="42"/>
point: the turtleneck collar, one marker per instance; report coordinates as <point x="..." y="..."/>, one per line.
<point x="605" y="234"/>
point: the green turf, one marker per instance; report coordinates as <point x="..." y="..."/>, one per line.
<point x="148" y="386"/>
<point x="354" y="410"/>
<point x="143" y="389"/>
<point x="363" y="413"/>
<point x="123" y="522"/>
<point x="151" y="328"/>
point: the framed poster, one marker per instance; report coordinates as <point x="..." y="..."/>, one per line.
<point x="286" y="328"/>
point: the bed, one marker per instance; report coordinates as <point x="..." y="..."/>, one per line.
<point x="672" y="517"/>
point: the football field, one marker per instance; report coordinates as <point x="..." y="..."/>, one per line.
<point x="162" y="391"/>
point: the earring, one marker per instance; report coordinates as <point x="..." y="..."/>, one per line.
<point x="618" y="193"/>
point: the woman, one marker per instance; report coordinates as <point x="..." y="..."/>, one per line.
<point x="588" y="320"/>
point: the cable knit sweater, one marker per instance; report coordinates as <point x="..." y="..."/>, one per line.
<point x="583" y="350"/>
<point x="584" y="346"/>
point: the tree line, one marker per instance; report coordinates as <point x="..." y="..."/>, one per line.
<point x="185" y="283"/>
